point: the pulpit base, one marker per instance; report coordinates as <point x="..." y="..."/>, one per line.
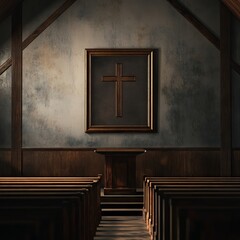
<point x="120" y="170"/>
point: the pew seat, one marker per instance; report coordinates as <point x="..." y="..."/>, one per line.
<point x="178" y="208"/>
<point x="49" y="208"/>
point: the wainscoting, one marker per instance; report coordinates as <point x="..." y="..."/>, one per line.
<point x="84" y="162"/>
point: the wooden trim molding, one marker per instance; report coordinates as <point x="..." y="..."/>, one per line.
<point x="162" y="149"/>
<point x="154" y="162"/>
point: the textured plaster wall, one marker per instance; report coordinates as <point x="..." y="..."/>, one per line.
<point x="5" y="85"/>
<point x="54" y="72"/>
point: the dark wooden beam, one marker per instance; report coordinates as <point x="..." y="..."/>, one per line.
<point x="17" y="91"/>
<point x="234" y="6"/>
<point x="47" y="22"/>
<point x="226" y="91"/>
<point x="5" y="66"/>
<point x="195" y="22"/>
<point x="39" y="30"/>
<point x="201" y="28"/>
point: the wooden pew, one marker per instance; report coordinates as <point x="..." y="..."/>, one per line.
<point x="89" y="187"/>
<point x="89" y="209"/>
<point x="43" y="214"/>
<point x="58" y="180"/>
<point x="150" y="182"/>
<point x="62" y="181"/>
<point x="155" y="189"/>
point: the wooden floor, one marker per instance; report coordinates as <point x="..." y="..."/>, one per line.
<point x="122" y="218"/>
<point x="122" y="228"/>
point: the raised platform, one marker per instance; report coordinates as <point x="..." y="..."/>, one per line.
<point x="122" y="204"/>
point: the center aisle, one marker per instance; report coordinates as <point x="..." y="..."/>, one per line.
<point x="122" y="228"/>
<point x="122" y="218"/>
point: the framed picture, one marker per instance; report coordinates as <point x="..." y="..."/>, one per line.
<point x="119" y="90"/>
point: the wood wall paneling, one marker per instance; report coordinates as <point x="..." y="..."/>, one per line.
<point x="236" y="163"/>
<point x="178" y="162"/>
<point x="155" y="162"/>
<point x="62" y="162"/>
<point x="5" y="162"/>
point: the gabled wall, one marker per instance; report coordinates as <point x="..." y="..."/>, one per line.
<point x="54" y="79"/>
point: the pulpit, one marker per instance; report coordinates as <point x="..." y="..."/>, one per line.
<point x="120" y="169"/>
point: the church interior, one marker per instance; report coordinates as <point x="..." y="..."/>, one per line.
<point x="119" y="119"/>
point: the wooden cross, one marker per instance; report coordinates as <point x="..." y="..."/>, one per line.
<point x="119" y="79"/>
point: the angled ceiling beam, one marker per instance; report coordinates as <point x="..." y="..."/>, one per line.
<point x="234" y="6"/>
<point x="186" y="13"/>
<point x="195" y="22"/>
<point x="38" y="31"/>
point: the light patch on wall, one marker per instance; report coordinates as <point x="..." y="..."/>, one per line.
<point x="51" y="99"/>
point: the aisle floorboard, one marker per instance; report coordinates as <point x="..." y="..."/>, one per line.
<point x="122" y="228"/>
